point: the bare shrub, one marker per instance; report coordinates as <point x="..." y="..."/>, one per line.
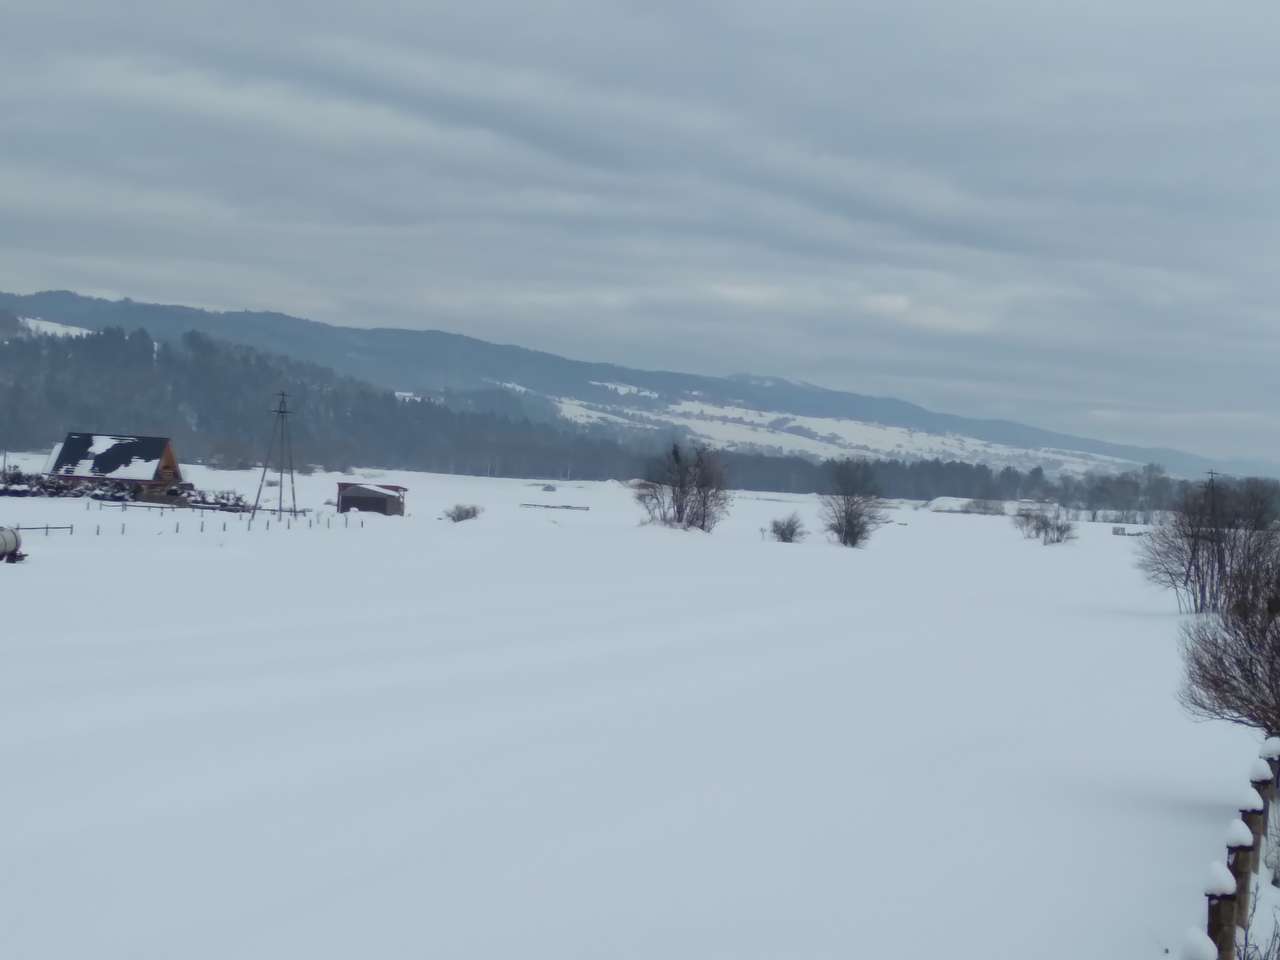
<point x="709" y="503"/>
<point x="1215" y="551"/>
<point x="1028" y="522"/>
<point x="1057" y="529"/>
<point x="1047" y="527"/>
<point x="462" y="511"/>
<point x="1232" y="662"/>
<point x="852" y="511"/>
<point x="988" y="508"/>
<point x="788" y="529"/>
<point x="686" y="491"/>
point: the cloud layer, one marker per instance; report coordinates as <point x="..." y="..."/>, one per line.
<point x="1063" y="213"/>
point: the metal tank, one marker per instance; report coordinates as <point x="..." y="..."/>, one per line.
<point x="10" y="545"/>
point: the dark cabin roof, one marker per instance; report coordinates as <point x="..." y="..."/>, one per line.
<point x="109" y="456"/>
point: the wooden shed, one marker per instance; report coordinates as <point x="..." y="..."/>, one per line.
<point x="385" y="498"/>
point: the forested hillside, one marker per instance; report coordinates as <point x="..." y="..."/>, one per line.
<point x="214" y="399"/>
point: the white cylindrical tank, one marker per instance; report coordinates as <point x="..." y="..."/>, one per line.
<point x="10" y="543"/>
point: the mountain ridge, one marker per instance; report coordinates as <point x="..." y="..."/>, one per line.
<point x="808" y="418"/>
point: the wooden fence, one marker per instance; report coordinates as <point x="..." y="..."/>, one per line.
<point x="1231" y="881"/>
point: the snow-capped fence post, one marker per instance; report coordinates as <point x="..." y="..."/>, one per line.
<point x="1270" y="752"/>
<point x="1220" y="892"/>
<point x="1240" y="862"/>
<point x="1252" y="812"/>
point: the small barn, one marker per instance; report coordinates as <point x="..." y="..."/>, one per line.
<point x="147" y="462"/>
<point x="386" y="499"/>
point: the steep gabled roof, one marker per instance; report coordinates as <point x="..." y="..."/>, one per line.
<point x="109" y="456"/>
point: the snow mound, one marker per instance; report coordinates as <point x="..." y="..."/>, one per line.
<point x="1198" y="946"/>
<point x="1220" y="883"/>
<point x="1238" y="834"/>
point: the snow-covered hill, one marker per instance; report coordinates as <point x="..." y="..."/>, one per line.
<point x="556" y="733"/>
<point x="776" y="432"/>
<point x="50" y="328"/>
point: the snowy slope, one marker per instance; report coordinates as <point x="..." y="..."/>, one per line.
<point x="770" y="431"/>
<point x="49" y="328"/>
<point x="560" y="734"/>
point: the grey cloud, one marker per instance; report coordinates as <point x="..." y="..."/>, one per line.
<point x="1060" y="213"/>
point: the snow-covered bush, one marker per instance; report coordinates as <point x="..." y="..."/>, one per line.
<point x="1048" y="528"/>
<point x="788" y="529"/>
<point x="462" y="511"/>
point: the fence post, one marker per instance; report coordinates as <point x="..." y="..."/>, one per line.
<point x="177" y="526"/>
<point x="122" y="529"/>
<point x="46" y="529"/>
<point x="1240" y="862"/>
<point x="1220" y="892"/>
<point x="1251" y="812"/>
<point x="71" y="530"/>
<point x="97" y="530"/>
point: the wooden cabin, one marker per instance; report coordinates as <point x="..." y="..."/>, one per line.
<point x="145" y="462"/>
<point x="387" y="499"/>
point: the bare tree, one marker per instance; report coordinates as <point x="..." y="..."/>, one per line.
<point x="1218" y="547"/>
<point x="686" y="491"/>
<point x="852" y="510"/>
<point x="709" y="497"/>
<point x="788" y="529"/>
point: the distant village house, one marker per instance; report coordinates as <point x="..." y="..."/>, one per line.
<point x="386" y="499"/>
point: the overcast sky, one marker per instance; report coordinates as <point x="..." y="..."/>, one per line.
<point x="1063" y="213"/>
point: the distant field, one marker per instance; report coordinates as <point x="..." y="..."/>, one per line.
<point x="556" y="733"/>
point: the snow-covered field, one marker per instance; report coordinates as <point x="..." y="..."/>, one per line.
<point x="559" y="734"/>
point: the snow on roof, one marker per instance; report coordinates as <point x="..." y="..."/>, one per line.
<point x="1220" y="883"/>
<point x="108" y="456"/>
<point x="377" y="489"/>
<point x="1259" y="771"/>
<point x="1238" y="834"/>
<point x="1249" y="800"/>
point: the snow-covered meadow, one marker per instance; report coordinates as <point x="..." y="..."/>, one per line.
<point x="556" y="733"/>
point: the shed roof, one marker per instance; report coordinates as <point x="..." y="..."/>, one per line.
<point x="372" y="489"/>
<point x="108" y="456"/>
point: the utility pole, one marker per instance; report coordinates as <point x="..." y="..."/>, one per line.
<point x="280" y="431"/>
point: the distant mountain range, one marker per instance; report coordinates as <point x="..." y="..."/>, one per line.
<point x="747" y="413"/>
